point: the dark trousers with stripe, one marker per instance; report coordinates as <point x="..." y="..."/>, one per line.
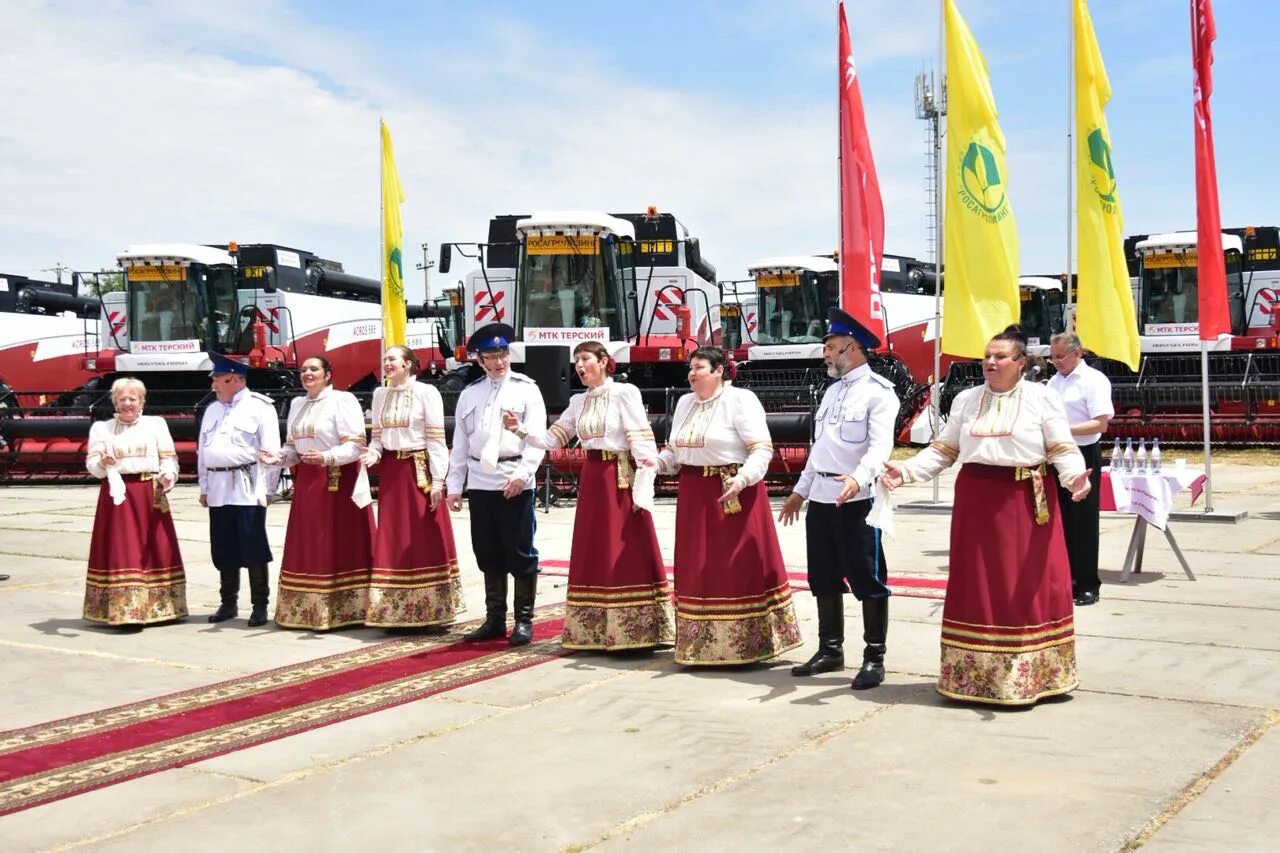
<point x="502" y="532"/>
<point x="843" y="549"/>
<point x="1080" y="525"/>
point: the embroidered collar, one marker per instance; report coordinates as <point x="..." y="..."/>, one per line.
<point x="601" y="388"/>
<point x="324" y="392"/>
<point x="698" y="401"/>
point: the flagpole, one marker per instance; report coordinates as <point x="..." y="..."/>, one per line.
<point x="939" y="222"/>
<point x="382" y="253"/>
<point x="1208" y="454"/>
<point x="1071" y="73"/>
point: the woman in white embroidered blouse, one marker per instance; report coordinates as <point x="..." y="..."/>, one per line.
<point x="135" y="573"/>
<point x="415" y="581"/>
<point x="1007" y="628"/>
<point x="733" y="602"/>
<point x="617" y="596"/>
<point x="328" y="548"/>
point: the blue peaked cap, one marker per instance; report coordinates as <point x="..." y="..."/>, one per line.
<point x="222" y="364"/>
<point x="491" y="336"/>
<point x="843" y="324"/>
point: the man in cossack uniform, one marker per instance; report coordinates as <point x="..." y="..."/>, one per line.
<point x="497" y="469"/>
<point x="853" y="439"/>
<point x="234" y="485"/>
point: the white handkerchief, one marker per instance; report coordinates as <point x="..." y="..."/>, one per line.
<point x="115" y="486"/>
<point x="361" y="495"/>
<point x="881" y="514"/>
<point x="642" y="487"/>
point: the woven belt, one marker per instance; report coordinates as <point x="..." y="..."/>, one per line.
<point x="626" y="468"/>
<point x="726" y="473"/>
<point x="421" y="472"/>
<point x="1036" y="476"/>
<point x="159" y="499"/>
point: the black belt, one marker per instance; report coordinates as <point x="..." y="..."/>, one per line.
<point x="238" y="468"/>
<point x="501" y="458"/>
<point x="828" y="474"/>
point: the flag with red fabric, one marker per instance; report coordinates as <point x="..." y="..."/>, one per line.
<point x="1211" y="273"/>
<point x="861" y="208"/>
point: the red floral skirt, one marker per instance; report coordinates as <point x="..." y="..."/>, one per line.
<point x="617" y="596"/>
<point x="1008" y="633"/>
<point x="328" y="549"/>
<point x="135" y="568"/>
<point x="415" y="580"/>
<point x="733" y="602"/>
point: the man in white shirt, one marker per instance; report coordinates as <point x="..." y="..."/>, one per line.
<point x="1086" y="396"/>
<point x="854" y="436"/>
<point x="497" y="469"/>
<point x="234" y="485"/>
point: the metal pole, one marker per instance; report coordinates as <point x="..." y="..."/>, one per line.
<point x="426" y="273"/>
<point x="1071" y="67"/>
<point x="1208" y="455"/>
<point x="939" y="98"/>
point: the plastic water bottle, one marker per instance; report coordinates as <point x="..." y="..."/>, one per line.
<point x="1128" y="454"/>
<point x="1155" y="455"/>
<point x="1140" y="458"/>
<point x="1117" y="461"/>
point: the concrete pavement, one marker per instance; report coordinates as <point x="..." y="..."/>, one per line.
<point x="1168" y="742"/>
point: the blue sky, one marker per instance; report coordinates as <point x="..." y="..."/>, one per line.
<point x="133" y="122"/>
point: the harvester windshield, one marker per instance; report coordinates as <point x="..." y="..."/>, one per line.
<point x="1169" y="293"/>
<point x="574" y="282"/>
<point x="172" y="302"/>
<point x="793" y="305"/>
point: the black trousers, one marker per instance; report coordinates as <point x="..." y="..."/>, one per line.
<point x="1080" y="525"/>
<point x="842" y="548"/>
<point x="238" y="536"/>
<point x="502" y="532"/>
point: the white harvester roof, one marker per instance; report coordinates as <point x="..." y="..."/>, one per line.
<point x="1040" y="282"/>
<point x="576" y="222"/>
<point x="174" y="254"/>
<point x="1181" y="241"/>
<point x="792" y="263"/>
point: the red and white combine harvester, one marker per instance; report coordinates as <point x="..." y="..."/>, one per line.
<point x="269" y="306"/>
<point x="44" y="330"/>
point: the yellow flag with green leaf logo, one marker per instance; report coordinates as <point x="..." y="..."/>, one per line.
<point x="980" y="297"/>
<point x="1105" y="318"/>
<point x="393" y="305"/>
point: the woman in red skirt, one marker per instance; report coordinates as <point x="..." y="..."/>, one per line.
<point x="1008" y="636"/>
<point x="617" y="597"/>
<point x="328" y="548"/>
<point x="733" y="602"/>
<point x="135" y="569"/>
<point x="415" y="581"/>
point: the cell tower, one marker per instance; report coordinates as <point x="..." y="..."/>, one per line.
<point x="931" y="106"/>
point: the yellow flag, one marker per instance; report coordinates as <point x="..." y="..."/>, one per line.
<point x="393" y="305"/>
<point x="1105" y="318"/>
<point x="981" y="264"/>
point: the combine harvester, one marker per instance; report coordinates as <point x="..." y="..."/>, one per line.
<point x="1163" y="399"/>
<point x="45" y="328"/>
<point x="267" y="305"/>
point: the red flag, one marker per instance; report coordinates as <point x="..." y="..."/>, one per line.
<point x="861" y="209"/>
<point x="1211" y="271"/>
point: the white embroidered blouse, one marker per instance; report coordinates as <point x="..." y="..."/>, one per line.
<point x="1018" y="428"/>
<point x="730" y="428"/>
<point x="332" y="422"/>
<point x="609" y="417"/>
<point x="410" y="416"/>
<point x="142" y="447"/>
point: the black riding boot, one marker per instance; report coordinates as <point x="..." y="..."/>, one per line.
<point x="229" y="590"/>
<point x="875" y="629"/>
<point x="526" y="590"/>
<point x="830" y="654"/>
<point x="259" y="594"/>
<point x="495" y="609"/>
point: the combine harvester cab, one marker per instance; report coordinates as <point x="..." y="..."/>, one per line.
<point x="1164" y="398"/>
<point x="793" y="295"/>
<point x="268" y="306"/>
<point x="635" y="282"/>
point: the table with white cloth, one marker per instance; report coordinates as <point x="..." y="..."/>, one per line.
<point x="1149" y="496"/>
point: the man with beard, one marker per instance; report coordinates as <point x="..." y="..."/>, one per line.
<point x="853" y="438"/>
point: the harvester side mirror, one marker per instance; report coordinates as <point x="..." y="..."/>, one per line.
<point x="442" y="342"/>
<point x="692" y="253"/>
<point x="446" y="257"/>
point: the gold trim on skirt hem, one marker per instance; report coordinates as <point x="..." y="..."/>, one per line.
<point x="742" y="640"/>
<point x="135" y="604"/>
<point x="614" y="628"/>
<point x="317" y="611"/>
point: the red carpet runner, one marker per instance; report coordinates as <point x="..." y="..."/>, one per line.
<point x="54" y="760"/>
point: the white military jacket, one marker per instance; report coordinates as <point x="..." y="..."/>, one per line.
<point x="231" y="434"/>
<point x="853" y="436"/>
<point x="485" y="455"/>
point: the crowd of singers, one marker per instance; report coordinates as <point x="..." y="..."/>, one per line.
<point x="1007" y="624"/>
